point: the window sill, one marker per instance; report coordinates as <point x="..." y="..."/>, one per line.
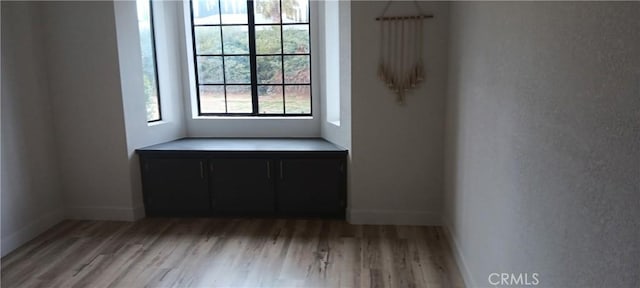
<point x="251" y="118"/>
<point x="156" y="123"/>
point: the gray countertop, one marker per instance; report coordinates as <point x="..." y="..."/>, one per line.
<point x="246" y="145"/>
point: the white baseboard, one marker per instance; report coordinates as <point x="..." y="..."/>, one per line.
<point x="30" y="231"/>
<point x="458" y="256"/>
<point x="393" y="217"/>
<point x="105" y="213"/>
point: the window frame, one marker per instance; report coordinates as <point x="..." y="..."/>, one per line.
<point x="251" y="26"/>
<point x="152" y="30"/>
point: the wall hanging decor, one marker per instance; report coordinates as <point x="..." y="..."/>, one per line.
<point x="401" y="65"/>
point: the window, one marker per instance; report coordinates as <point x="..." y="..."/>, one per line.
<point x="252" y="58"/>
<point x="149" y="67"/>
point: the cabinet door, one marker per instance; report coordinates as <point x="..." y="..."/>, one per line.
<point x="311" y="187"/>
<point x="242" y="186"/>
<point x="175" y="187"/>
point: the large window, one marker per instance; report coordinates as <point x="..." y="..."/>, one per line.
<point x="252" y="58"/>
<point x="149" y="68"/>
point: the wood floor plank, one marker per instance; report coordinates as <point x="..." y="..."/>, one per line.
<point x="207" y="252"/>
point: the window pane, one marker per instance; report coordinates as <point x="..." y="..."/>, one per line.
<point x="269" y="69"/>
<point x="297" y="99"/>
<point x="208" y="40"/>
<point x="205" y="12"/>
<point x="296" y="69"/>
<point x="149" y="75"/>
<point x="237" y="69"/>
<point x="267" y="11"/>
<point x="295" y="11"/>
<point x="239" y="99"/>
<point x="221" y="27"/>
<point x="152" y="104"/>
<point x="268" y="39"/>
<point x="234" y="11"/>
<point x="270" y="100"/>
<point x="235" y="39"/>
<point x="212" y="99"/>
<point x="296" y="39"/>
<point x="210" y="70"/>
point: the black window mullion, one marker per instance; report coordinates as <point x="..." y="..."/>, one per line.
<point x="195" y="57"/>
<point x="310" y="62"/>
<point x="245" y="55"/>
<point x="155" y="60"/>
<point x="224" y="71"/>
<point x="260" y="24"/>
<point x="252" y="57"/>
<point x="271" y="54"/>
<point x="283" y="24"/>
<point x="284" y="107"/>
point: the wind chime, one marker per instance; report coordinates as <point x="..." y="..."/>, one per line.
<point x="401" y="65"/>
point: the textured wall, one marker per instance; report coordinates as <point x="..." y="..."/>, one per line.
<point x="397" y="150"/>
<point x="84" y="77"/>
<point x="31" y="197"/>
<point x="543" y="141"/>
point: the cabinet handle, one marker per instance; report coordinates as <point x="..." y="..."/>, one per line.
<point x="268" y="170"/>
<point x="281" y="171"/>
<point x="201" y="170"/>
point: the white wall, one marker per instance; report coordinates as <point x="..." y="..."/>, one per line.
<point x="251" y="127"/>
<point x="1" y="253"/>
<point x="84" y="77"/>
<point x="397" y="150"/>
<point x="543" y="147"/>
<point x="335" y="78"/>
<point x="31" y="197"/>
<point x="138" y="132"/>
<point x="335" y="71"/>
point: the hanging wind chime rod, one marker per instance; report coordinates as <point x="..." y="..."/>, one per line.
<point x="404" y="17"/>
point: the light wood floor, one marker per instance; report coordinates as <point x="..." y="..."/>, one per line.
<point x="232" y="253"/>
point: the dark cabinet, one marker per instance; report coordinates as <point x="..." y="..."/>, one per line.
<point x="244" y="177"/>
<point x="311" y="187"/>
<point x="242" y="186"/>
<point x="179" y="187"/>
